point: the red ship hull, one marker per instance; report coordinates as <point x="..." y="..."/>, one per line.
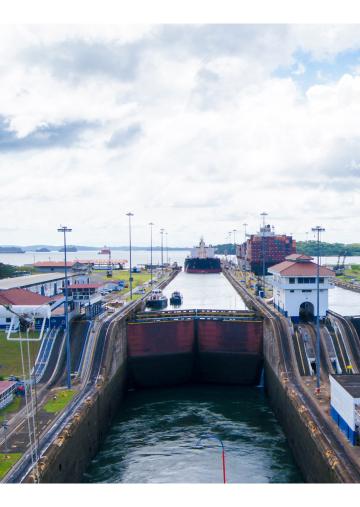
<point x="203" y="271"/>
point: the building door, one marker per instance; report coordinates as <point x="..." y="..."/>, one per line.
<point x="306" y="311"/>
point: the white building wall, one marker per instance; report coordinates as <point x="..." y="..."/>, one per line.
<point x="289" y="297"/>
<point x="343" y="402"/>
<point x="293" y="300"/>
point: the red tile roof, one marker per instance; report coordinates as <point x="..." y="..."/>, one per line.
<point x="22" y="297"/>
<point x="291" y="268"/>
<point x="55" y="264"/>
<point x="5" y="385"/>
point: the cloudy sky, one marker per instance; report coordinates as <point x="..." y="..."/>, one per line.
<point x="197" y="128"/>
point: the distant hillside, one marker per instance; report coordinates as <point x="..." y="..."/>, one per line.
<point x="226" y="249"/>
<point x="328" y="249"/>
<point x="57" y="248"/>
<point x="10" y="249"/>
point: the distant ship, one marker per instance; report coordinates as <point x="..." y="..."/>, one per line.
<point x="202" y="260"/>
<point x="105" y="251"/>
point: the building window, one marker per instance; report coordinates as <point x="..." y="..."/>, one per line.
<point x="321" y="280"/>
<point x="306" y="290"/>
<point x="292" y="290"/>
<point x="291" y="280"/>
<point x="300" y="280"/>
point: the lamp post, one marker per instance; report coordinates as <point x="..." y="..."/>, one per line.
<point x="244" y="265"/>
<point x="5" y="425"/>
<point x="162" y="254"/>
<point x="318" y="229"/>
<point x="64" y="230"/>
<point x="166" y="246"/>
<point x="130" y="277"/>
<point x="151" y="257"/>
<point x="263" y="249"/>
<point x="234" y="232"/>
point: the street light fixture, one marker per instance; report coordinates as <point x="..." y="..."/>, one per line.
<point x="167" y="249"/>
<point x="151" y="256"/>
<point x="318" y="229"/>
<point x="64" y="230"/>
<point x="244" y="263"/>
<point x="162" y="254"/>
<point x="263" y="249"/>
<point x="130" y="274"/>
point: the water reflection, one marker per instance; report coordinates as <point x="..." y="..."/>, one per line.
<point x="210" y="291"/>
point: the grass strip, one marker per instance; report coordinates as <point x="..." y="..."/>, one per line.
<point x="7" y="461"/>
<point x="59" y="401"/>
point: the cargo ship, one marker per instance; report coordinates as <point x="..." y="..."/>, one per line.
<point x="264" y="249"/>
<point x="202" y="260"/>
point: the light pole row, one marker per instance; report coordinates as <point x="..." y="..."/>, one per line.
<point x="151" y="224"/>
<point x="64" y="230"/>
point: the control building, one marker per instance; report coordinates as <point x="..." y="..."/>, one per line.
<point x="264" y="247"/>
<point x="345" y="404"/>
<point x="295" y="287"/>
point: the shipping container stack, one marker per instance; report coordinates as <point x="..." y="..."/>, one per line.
<point x="276" y="248"/>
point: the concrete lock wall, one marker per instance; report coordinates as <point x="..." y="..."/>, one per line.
<point x="68" y="457"/>
<point x="312" y="453"/>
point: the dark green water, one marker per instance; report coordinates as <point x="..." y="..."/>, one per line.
<point x="155" y="439"/>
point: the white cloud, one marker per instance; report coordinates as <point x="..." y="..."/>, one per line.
<point x="199" y="137"/>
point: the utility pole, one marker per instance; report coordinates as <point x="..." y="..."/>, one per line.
<point x="5" y="425"/>
<point x="263" y="249"/>
<point x="244" y="265"/>
<point x="234" y="232"/>
<point x="162" y="254"/>
<point x="166" y="246"/>
<point x="130" y="277"/>
<point x="318" y="229"/>
<point x="64" y="230"/>
<point x="151" y="257"/>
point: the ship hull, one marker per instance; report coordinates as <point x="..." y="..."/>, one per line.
<point x="203" y="266"/>
<point x="203" y="271"/>
<point x="156" y="304"/>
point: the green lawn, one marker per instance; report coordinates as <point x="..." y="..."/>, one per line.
<point x="62" y="399"/>
<point x="13" y="407"/>
<point x="7" y="461"/>
<point x="352" y="272"/>
<point x="10" y="357"/>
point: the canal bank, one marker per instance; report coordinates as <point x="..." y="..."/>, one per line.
<point x="318" y="451"/>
